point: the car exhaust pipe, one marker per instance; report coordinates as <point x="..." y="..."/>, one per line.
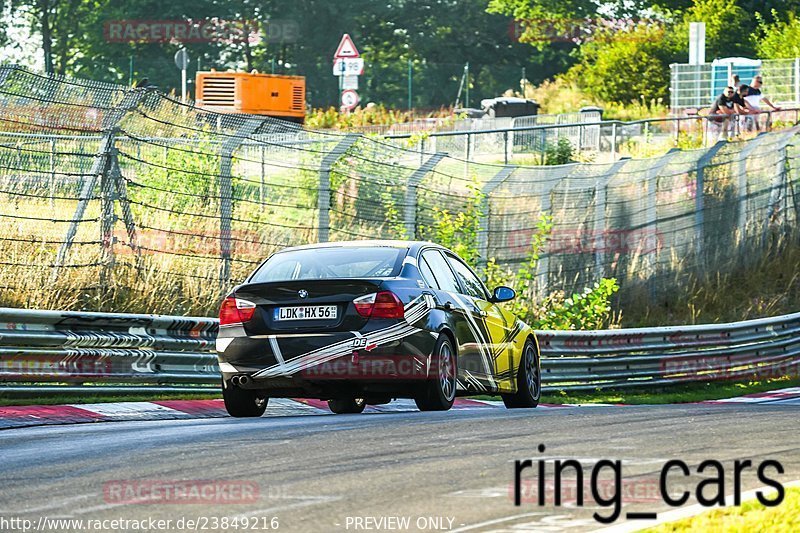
<point x="235" y="381"/>
<point x="244" y="380"/>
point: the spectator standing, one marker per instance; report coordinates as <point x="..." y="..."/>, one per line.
<point x="749" y="118"/>
<point x="756" y="98"/>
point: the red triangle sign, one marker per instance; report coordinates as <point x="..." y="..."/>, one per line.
<point x="346" y="48"/>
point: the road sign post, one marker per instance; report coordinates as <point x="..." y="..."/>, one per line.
<point x="182" y="62"/>
<point x="347" y="66"/>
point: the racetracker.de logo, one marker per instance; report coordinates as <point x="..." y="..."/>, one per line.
<point x="212" y="30"/>
<point x="197" y="491"/>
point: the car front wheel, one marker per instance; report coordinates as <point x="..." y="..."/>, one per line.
<point x="529" y="380"/>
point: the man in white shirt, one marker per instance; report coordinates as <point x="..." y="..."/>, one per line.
<point x="755" y="97"/>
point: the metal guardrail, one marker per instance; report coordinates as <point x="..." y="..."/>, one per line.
<point x="105" y="353"/>
<point x="51" y="352"/>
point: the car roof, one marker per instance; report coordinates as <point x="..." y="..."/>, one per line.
<point x="374" y="243"/>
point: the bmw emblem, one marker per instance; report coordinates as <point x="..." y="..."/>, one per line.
<point x="302" y="293"/>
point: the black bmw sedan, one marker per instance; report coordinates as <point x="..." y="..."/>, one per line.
<point x="364" y="322"/>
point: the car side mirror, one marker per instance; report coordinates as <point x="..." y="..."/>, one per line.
<point x="503" y="294"/>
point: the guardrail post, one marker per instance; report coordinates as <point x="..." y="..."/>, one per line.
<point x="486" y="206"/>
<point x="410" y="206"/>
<point x="250" y="126"/>
<point x="699" y="201"/>
<point x="600" y="229"/>
<point x="324" y="191"/>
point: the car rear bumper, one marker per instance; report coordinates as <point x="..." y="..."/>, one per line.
<point x="331" y="360"/>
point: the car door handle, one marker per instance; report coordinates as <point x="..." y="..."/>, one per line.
<point x="481" y="314"/>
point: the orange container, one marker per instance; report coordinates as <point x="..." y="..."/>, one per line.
<point x="258" y="94"/>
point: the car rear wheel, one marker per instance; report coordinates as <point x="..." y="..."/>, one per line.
<point x="529" y="380"/>
<point x="347" y="405"/>
<point x="242" y="403"/>
<point x="440" y="391"/>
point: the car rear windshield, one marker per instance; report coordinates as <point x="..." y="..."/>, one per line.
<point x="331" y="263"/>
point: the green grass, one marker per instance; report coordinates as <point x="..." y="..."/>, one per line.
<point x="769" y="286"/>
<point x="750" y="517"/>
<point x="715" y="390"/>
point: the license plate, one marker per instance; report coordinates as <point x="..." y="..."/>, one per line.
<point x="310" y="312"/>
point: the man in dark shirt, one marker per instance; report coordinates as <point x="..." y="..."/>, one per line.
<point x="726" y="105"/>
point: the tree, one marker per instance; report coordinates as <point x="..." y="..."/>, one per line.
<point x="778" y="40"/>
<point x="625" y="66"/>
<point x="728" y="27"/>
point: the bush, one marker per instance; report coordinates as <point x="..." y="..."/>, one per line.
<point x="589" y="309"/>
<point x="559" y="153"/>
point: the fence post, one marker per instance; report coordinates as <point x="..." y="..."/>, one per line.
<point x="108" y="219"/>
<point x="699" y="200"/>
<point x="505" y="147"/>
<point x="121" y="190"/>
<point x="614" y="141"/>
<point x="410" y="205"/>
<point x="741" y="185"/>
<point x="600" y="229"/>
<point x="263" y="174"/>
<point x="99" y="166"/>
<point x="483" y="230"/>
<point x="651" y="217"/>
<point x="797" y="80"/>
<point x="250" y="126"/>
<point x="52" y="173"/>
<point x="777" y="187"/>
<point x="324" y="191"/>
<point x="543" y="266"/>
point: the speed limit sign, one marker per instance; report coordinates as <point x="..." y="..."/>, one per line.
<point x="349" y="99"/>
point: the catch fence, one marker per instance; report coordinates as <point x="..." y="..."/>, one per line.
<point x="126" y="199"/>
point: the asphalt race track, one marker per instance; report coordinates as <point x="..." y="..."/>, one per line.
<point x="348" y="472"/>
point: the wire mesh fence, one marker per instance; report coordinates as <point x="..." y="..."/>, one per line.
<point x="536" y="139"/>
<point x="125" y="199"/>
<point x="697" y="86"/>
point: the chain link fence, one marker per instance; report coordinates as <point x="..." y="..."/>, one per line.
<point x="531" y="140"/>
<point x="697" y="86"/>
<point x="125" y="199"/>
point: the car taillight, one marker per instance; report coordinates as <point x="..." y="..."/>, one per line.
<point x="235" y="311"/>
<point x="384" y="304"/>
